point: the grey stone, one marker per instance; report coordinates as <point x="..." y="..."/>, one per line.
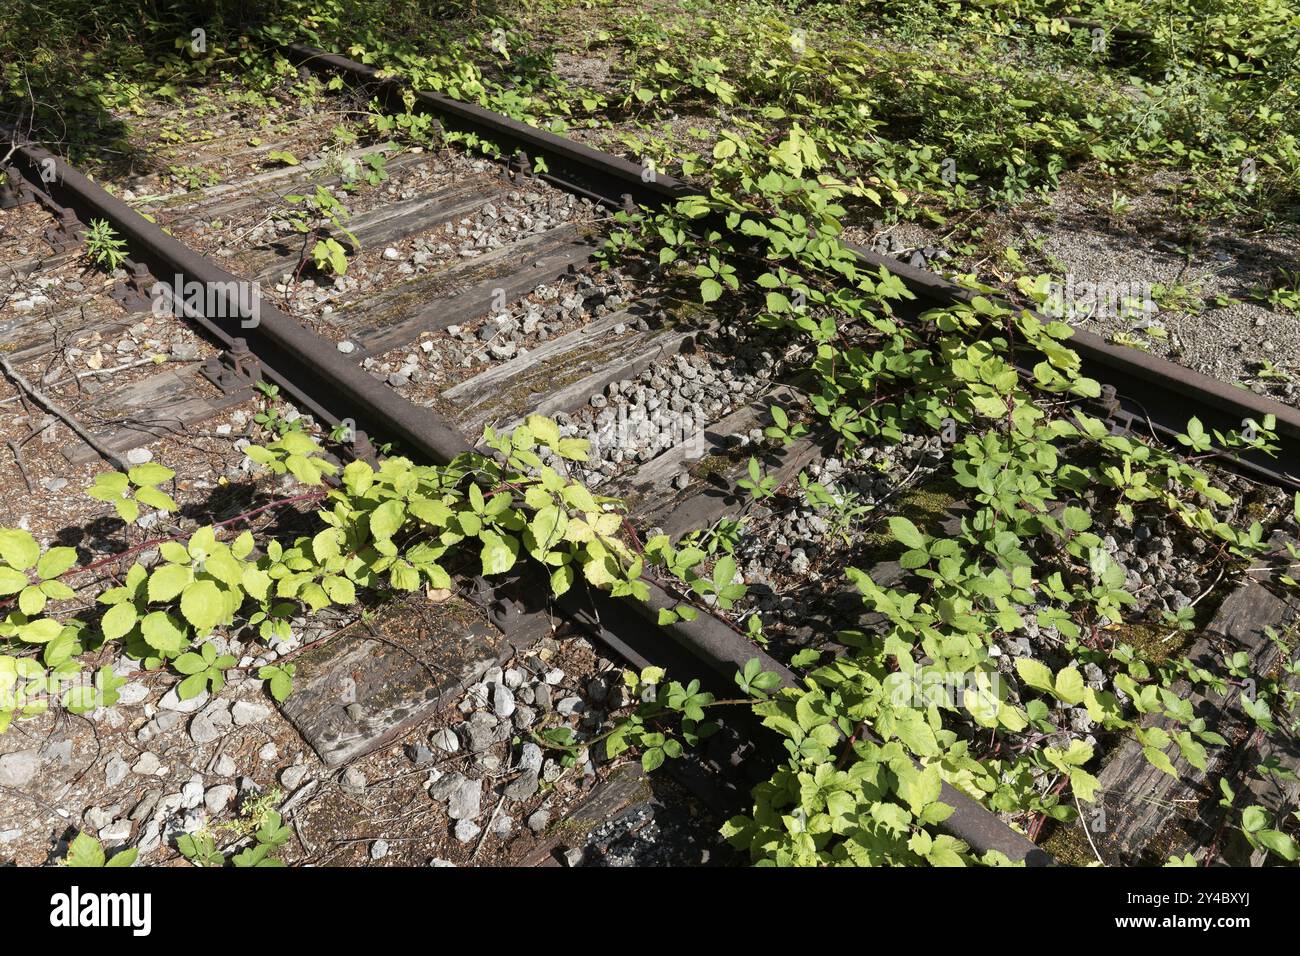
<point x="130" y="694"/>
<point x="138" y="456"/>
<point x="419" y="754"/>
<point x="97" y="818"/>
<point x="538" y="820"/>
<point x="148" y="764"/>
<point x="269" y="751"/>
<point x="150" y="838"/>
<point x="171" y="701"/>
<point x="202" y="730"/>
<point x="443" y="786"/>
<point x="438" y="861"/>
<point x="445" y="739"/>
<point x="192" y="794"/>
<point x="502" y="825"/>
<point x="248" y="712"/>
<point x="570" y="706"/>
<point x="503" y="701"/>
<point x="354" y="779"/>
<point x="17" y="769"/>
<point x="117" y="832"/>
<point x="542" y="697"/>
<point x="466" y="830"/>
<point x="530" y="757"/>
<point x="218" y="798"/>
<point x="292" y="777"/>
<point x="465" y="801"/>
<point x="482" y="730"/>
<point x="378" y="849"/>
<point x="145" y="807"/>
<point x="115" y="770"/>
<point x="225" y="766"/>
<point x="522" y="787"/>
<point x="574" y="856"/>
<point x="525" y="717"/>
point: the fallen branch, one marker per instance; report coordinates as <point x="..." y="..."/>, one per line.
<point x="54" y="408"/>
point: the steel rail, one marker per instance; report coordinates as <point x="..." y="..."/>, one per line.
<point x="1150" y="389"/>
<point x="311" y="369"/>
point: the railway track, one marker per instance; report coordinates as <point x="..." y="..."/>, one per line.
<point x="472" y="302"/>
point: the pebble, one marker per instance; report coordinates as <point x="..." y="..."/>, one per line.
<point x="292" y="776"/>
<point x="131" y="693"/>
<point x="248" y="712"/>
<point x="97" y="818"/>
<point x="525" y="717"/>
<point x="445" y="739"/>
<point x="171" y="701"/>
<point x="225" y="766"/>
<point x="148" y="764"/>
<point x="466" y="830"/>
<point x="522" y="787"/>
<point x="378" y="849"/>
<point x="419" y="754"/>
<point x="17" y="769"/>
<point x="202" y="730"/>
<point x="503" y="701"/>
<point x="354" y="779"/>
<point x="530" y="757"/>
<point x="217" y="798"/>
<point x="346" y="347"/>
<point x="570" y="706"/>
<point x="538" y="820"/>
<point x="465" y="800"/>
<point x="192" y="793"/>
<point x="116" y="832"/>
<point x="138" y="456"/>
<point x="269" y="751"/>
<point x="482" y="730"/>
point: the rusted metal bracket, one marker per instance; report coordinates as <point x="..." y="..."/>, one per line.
<point x="1108" y="407"/>
<point x="67" y="234"/>
<point x="235" y="369"/>
<point x="14" y="191"/>
<point x="519" y="165"/>
<point x="132" y="293"/>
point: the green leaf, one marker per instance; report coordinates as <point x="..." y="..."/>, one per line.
<point x="55" y="562"/>
<point x="498" y="552"/>
<point x="149" y="474"/>
<point x="906" y="533"/>
<point x="203" y="605"/>
<point x="1035" y="674"/>
<point x="163" y="632"/>
<point x="84" y="850"/>
<point x="168" y="581"/>
<point x="710" y="290"/>
<point x="386" y="519"/>
<point x="1069" y="685"/>
<point x="11" y="581"/>
<point x="119" y="620"/>
<point x="18" y="548"/>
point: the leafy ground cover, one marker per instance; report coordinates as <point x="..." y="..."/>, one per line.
<point x="797" y="126"/>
